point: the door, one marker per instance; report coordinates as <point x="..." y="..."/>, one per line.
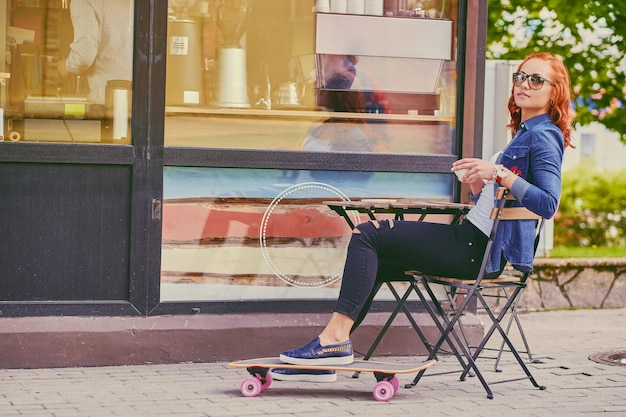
<point x="79" y="201"/>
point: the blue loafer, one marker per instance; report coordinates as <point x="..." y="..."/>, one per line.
<point x="303" y="375"/>
<point x="315" y="354"/>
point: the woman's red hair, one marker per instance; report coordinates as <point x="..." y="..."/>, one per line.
<point x="560" y="104"/>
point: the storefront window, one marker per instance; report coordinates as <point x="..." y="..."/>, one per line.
<point x="67" y="70"/>
<point x="232" y="234"/>
<point x="281" y="74"/>
<point x="293" y="76"/>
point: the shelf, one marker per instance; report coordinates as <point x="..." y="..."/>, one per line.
<point x="300" y="114"/>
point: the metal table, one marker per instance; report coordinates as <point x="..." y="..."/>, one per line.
<point x="399" y="208"/>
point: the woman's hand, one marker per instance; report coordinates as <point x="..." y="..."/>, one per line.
<point x="477" y="170"/>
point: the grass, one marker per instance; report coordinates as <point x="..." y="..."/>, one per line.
<point x="588" y="252"/>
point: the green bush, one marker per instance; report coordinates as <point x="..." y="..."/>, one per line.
<point x="588" y="252"/>
<point x="592" y="211"/>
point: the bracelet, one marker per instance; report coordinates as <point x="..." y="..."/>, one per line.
<point x="495" y="173"/>
<point x="501" y="173"/>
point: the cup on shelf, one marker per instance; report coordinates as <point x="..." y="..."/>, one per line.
<point x="356" y="6"/>
<point x="374" y="7"/>
<point x="322" y="6"/>
<point x="339" y="6"/>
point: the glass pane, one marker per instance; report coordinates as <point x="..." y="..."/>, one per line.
<point x="68" y="70"/>
<point x="281" y="74"/>
<point x="249" y="234"/>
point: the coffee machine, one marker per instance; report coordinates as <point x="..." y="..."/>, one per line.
<point x="184" y="56"/>
<point x="231" y="84"/>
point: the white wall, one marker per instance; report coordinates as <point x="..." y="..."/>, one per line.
<point x="609" y="153"/>
<point x="498" y="76"/>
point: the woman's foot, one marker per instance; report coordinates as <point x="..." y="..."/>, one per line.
<point x="313" y="353"/>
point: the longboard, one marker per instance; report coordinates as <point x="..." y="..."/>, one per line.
<point x="385" y="372"/>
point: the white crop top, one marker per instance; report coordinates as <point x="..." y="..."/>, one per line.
<point x="480" y="214"/>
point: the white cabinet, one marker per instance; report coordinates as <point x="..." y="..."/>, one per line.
<point x="377" y="36"/>
<point x="400" y="58"/>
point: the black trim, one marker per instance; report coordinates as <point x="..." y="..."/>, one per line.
<point x="481" y="63"/>
<point x="460" y="68"/>
<point x="460" y="88"/>
<point x="268" y="306"/>
<point x="35" y="152"/>
<point x="479" y="82"/>
<point x="278" y="159"/>
<point x="121" y="308"/>
<point x="57" y="308"/>
<point x="148" y="132"/>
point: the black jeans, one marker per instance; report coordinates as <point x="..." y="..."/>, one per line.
<point x="385" y="249"/>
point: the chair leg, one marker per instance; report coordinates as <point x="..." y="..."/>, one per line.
<point x="501" y="349"/>
<point x="399" y="306"/>
<point x="435" y="316"/>
<point x="514" y="317"/>
<point x="496" y="326"/>
<point x="447" y="335"/>
<point x="455" y="298"/>
<point x="525" y="341"/>
<point x="409" y="316"/>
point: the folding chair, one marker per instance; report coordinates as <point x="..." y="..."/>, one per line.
<point x="401" y="305"/>
<point x="448" y="320"/>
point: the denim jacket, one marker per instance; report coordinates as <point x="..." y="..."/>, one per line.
<point x="535" y="154"/>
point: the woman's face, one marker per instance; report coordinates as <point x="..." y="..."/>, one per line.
<point x="532" y="98"/>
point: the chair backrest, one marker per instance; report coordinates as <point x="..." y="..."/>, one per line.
<point x="502" y="212"/>
<point x="510" y="213"/>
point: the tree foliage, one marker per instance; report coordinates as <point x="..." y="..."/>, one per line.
<point x="587" y="34"/>
<point x="592" y="211"/>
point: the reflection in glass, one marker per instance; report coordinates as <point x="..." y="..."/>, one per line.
<point x="70" y="66"/>
<point x="279" y="97"/>
<point x="184" y="55"/>
<point x="249" y="234"/>
<point x="231" y="82"/>
<point x="237" y="234"/>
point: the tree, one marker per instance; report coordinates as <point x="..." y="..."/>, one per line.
<point x="592" y="211"/>
<point x="587" y="34"/>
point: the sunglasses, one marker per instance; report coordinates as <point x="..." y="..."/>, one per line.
<point x="534" y="81"/>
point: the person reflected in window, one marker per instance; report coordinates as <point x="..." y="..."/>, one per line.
<point x="102" y="48"/>
<point x="343" y="134"/>
<point x="530" y="166"/>
<point x="340" y="134"/>
<point x="348" y="134"/>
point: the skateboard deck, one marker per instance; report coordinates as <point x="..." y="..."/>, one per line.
<point x="387" y="383"/>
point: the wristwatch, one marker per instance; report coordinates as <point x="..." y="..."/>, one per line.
<point x="501" y="173"/>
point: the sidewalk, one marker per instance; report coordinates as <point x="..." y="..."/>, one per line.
<point x="563" y="340"/>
